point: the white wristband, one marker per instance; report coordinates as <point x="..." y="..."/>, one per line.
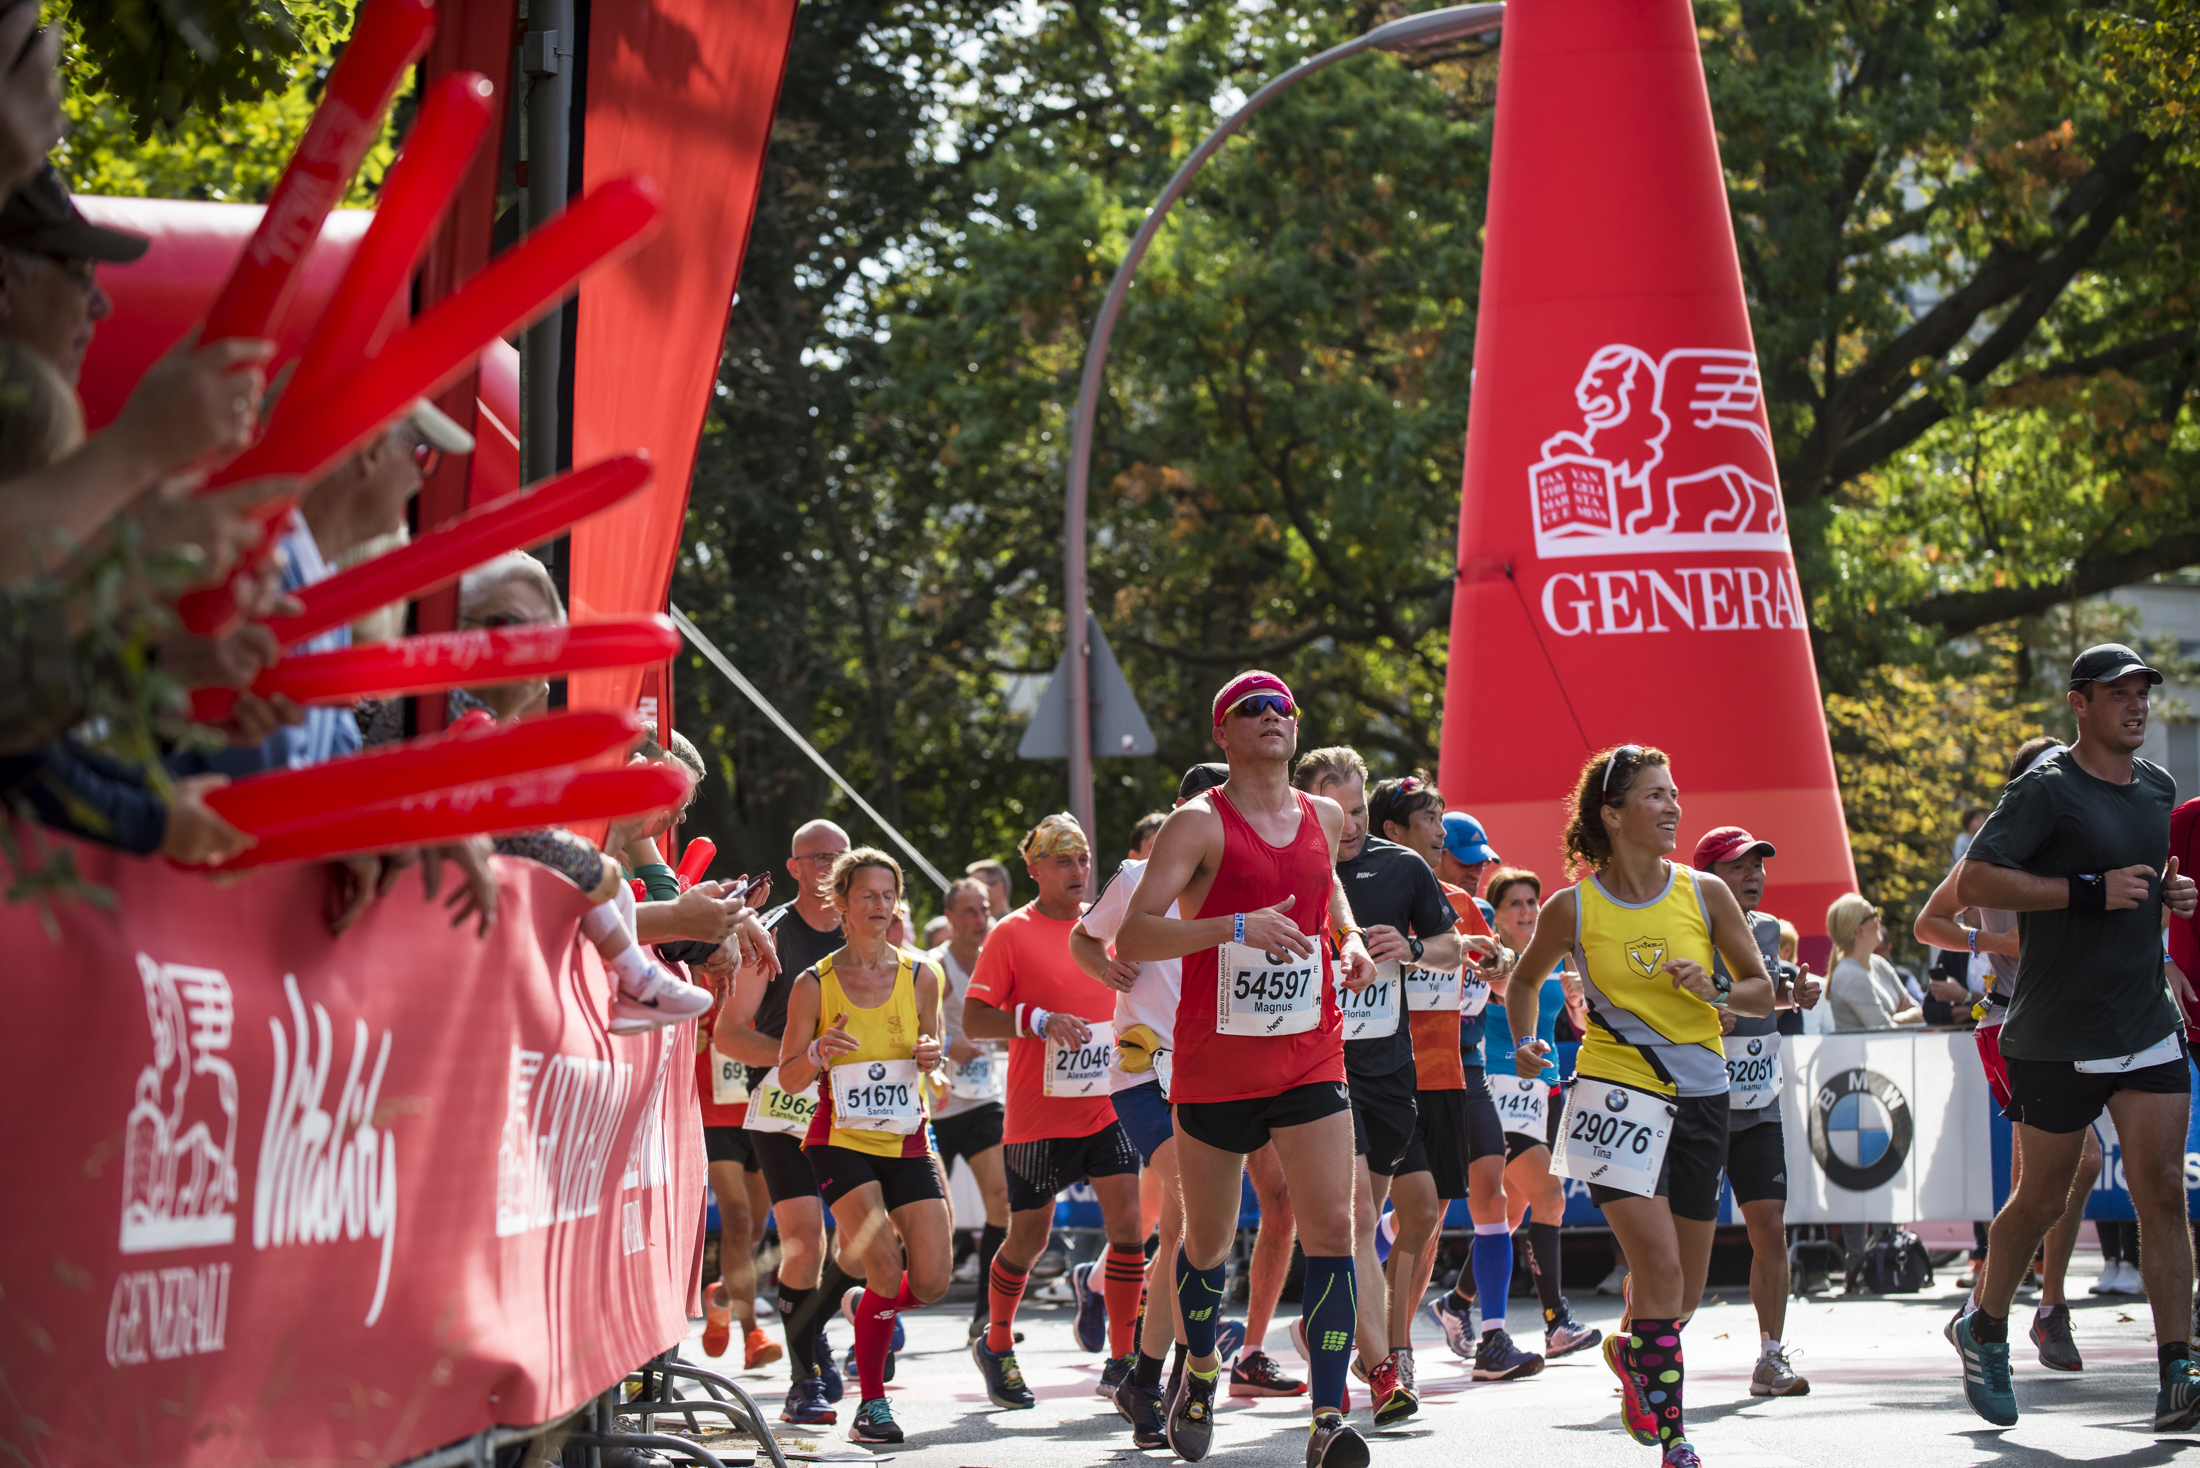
<point x="815" y="1056"/>
<point x="1039" y="1018"/>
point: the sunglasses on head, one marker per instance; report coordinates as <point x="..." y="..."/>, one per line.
<point x="427" y="458"/>
<point x="1254" y="705"/>
<point x="1626" y="752"/>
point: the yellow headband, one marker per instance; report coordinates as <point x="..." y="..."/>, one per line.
<point x="1057" y="835"/>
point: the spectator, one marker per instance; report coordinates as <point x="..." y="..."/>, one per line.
<point x="31" y="121"/>
<point x="1864" y="991"/>
<point x="1142" y="834"/>
<point x="997" y="893"/>
<point x="514" y="590"/>
<point x="50" y="256"/>
<point x="935" y="932"/>
<point x="1974" y="816"/>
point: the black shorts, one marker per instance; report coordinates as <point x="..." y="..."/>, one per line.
<point x="786" y="1171"/>
<point x="968" y="1133"/>
<point x="2056" y="1096"/>
<point x="1382" y="1120"/>
<point x="728" y="1144"/>
<point x="841" y="1170"/>
<point x="1695" y="1160"/>
<point x="1485" y="1129"/>
<point x="1243" y="1126"/>
<point x="1756" y="1162"/>
<point x="1440" y="1141"/>
<point x="1038" y="1170"/>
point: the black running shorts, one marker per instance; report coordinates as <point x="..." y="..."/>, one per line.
<point x="1382" y="1120"/>
<point x="1695" y="1159"/>
<point x="968" y="1133"/>
<point x="841" y="1170"/>
<point x="1440" y="1140"/>
<point x="2056" y="1096"/>
<point x="1485" y="1130"/>
<point x="1244" y="1126"/>
<point x="1038" y="1170"/>
<point x="1756" y="1162"/>
<point x="786" y="1171"/>
<point x="728" y="1144"/>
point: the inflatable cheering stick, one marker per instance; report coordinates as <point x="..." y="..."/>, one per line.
<point x="443" y="555"/>
<point x="386" y="41"/>
<point x="519" y="802"/>
<point x="269" y="803"/>
<point x="695" y="861"/>
<point x="442" y="660"/>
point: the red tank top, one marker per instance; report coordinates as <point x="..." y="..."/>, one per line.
<point x="1212" y="1067"/>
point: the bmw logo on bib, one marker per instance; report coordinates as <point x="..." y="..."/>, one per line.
<point x="1860" y="1129"/>
<point x="877" y="1071"/>
<point x="1615" y="1100"/>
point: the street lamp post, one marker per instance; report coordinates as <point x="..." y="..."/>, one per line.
<point x="1412" y="33"/>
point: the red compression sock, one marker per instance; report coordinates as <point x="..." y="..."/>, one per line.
<point x="1123" y="1281"/>
<point x="875" y="1335"/>
<point x="1005" y="1291"/>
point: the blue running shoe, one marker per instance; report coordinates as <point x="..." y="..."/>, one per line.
<point x="828" y="1373"/>
<point x="1229" y="1339"/>
<point x="1457" y="1320"/>
<point x="1986" y="1376"/>
<point x="806" y="1404"/>
<point x="901" y="1338"/>
<point x="1004" y="1379"/>
<point x="1091" y="1329"/>
<point x="2177" y="1404"/>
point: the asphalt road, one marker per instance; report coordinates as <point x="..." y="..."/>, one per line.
<point x="1884" y="1391"/>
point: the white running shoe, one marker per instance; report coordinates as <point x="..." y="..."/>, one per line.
<point x="1612" y="1283"/>
<point x="2106" y="1284"/>
<point x="2128" y="1281"/>
<point x="662" y="1000"/>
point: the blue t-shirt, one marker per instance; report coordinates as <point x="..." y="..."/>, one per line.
<point x="1550" y="1004"/>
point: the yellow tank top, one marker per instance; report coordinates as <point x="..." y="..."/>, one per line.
<point x="888" y="1032"/>
<point x="1642" y="1031"/>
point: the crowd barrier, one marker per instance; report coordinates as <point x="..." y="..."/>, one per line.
<point x="282" y="1196"/>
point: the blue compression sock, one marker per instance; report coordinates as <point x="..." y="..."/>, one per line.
<point x="1493" y="1272"/>
<point x="1332" y="1315"/>
<point x="1199" y="1293"/>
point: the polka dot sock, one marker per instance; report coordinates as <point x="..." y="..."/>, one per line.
<point x="1653" y="1354"/>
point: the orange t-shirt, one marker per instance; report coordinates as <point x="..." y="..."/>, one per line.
<point x="1026" y="961"/>
<point x="1436" y="1062"/>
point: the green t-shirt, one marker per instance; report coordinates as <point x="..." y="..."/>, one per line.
<point x="2089" y="985"/>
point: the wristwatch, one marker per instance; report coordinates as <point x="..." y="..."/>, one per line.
<point x="1417" y="946"/>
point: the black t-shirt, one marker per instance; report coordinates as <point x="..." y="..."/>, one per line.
<point x="2089" y="984"/>
<point x="1388" y="885"/>
<point x="800" y="946"/>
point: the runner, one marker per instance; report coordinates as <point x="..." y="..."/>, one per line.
<point x="749" y="1029"/>
<point x="2076" y="849"/>
<point x="1254" y="1373"/>
<point x="1643" y="930"/>
<point x="1145" y="1021"/>
<point x="1059" y="1125"/>
<point x="1940" y="924"/>
<point x="967" y="1123"/>
<point x="1466" y="854"/>
<point x="1529" y="1111"/>
<point x="1756" y="1147"/>
<point x="723" y="1085"/>
<point x="865" y="1020"/>
<point x="1259" y="1042"/>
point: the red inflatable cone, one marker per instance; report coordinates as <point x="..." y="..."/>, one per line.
<point x="1624" y="567"/>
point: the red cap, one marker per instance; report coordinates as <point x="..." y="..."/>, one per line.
<point x="1244" y="684"/>
<point x="1728" y="843"/>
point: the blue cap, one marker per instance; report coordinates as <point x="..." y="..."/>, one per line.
<point x="1464" y="839"/>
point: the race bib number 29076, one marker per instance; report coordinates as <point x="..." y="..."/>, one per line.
<point x="1614" y="1136"/>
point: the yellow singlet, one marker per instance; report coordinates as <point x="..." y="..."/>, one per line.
<point x="887" y="1032"/>
<point x="1643" y="1032"/>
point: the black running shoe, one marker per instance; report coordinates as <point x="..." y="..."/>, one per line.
<point x="1191" y="1424"/>
<point x="2051" y="1333"/>
<point x="1142" y="1409"/>
<point x="1004" y="1380"/>
<point x="1113" y="1375"/>
<point x="874" y="1423"/>
<point x="1333" y="1444"/>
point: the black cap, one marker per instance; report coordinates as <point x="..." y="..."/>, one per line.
<point x="1200" y="779"/>
<point x="39" y="216"/>
<point x="2108" y="662"/>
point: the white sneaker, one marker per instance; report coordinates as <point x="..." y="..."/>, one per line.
<point x="1613" y="1282"/>
<point x="1057" y="1291"/>
<point x="967" y="1271"/>
<point x="662" y="1000"/>
<point x="2128" y="1281"/>
<point x="2106" y="1284"/>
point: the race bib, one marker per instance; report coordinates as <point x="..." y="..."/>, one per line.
<point x="1081" y="1070"/>
<point x="1371" y="1013"/>
<point x="1260" y="993"/>
<point x="1520" y="1104"/>
<point x="978" y="1078"/>
<point x="1432" y="989"/>
<point x="774" y="1110"/>
<point x="1752" y="1071"/>
<point x="1474" y="993"/>
<point x="729" y="1080"/>
<point x="877" y="1096"/>
<point x="2167" y="1050"/>
<point x="1614" y="1136"/>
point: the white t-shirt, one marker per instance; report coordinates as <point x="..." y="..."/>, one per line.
<point x="1152" y="1000"/>
<point x="951" y="1005"/>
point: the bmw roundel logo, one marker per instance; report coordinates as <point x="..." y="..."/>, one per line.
<point x="877" y="1072"/>
<point x="1275" y="960"/>
<point x="1757" y="1047"/>
<point x="1615" y="1100"/>
<point x="1860" y="1129"/>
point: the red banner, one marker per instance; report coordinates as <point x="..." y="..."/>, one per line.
<point x="1625" y="574"/>
<point x="304" y="1198"/>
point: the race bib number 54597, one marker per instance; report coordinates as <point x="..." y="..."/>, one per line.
<point x="1260" y="993"/>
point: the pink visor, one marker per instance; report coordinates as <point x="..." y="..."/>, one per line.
<point x="1244" y="685"/>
